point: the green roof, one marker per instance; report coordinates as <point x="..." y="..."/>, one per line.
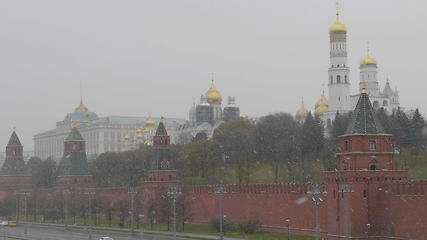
<point x="363" y="120"/>
<point x="74" y="135"/>
<point x="14" y="141"/>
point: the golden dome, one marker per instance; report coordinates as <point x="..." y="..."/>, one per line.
<point x="139" y="130"/>
<point x="150" y="123"/>
<point x="368" y="61"/>
<point x="127" y="137"/>
<point x="146" y="131"/>
<point x="322" y="102"/>
<point x="139" y="136"/>
<point x="214" y="97"/>
<point x="81" y="108"/>
<point x="148" y="143"/>
<point x="302" y="112"/>
<point x="321" y="110"/>
<point x="338" y="27"/>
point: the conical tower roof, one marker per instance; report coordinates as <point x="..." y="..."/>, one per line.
<point x="161" y="130"/>
<point x="363" y="119"/>
<point x="14" y="141"/>
<point x="74" y="135"/>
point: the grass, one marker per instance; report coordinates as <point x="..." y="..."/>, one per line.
<point x="188" y="228"/>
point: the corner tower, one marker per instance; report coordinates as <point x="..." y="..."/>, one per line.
<point x="14" y="163"/>
<point x="339" y="72"/>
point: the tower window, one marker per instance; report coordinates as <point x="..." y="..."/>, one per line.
<point x="345" y="79"/>
<point x="372" y="145"/>
<point x="338" y="79"/>
<point x="365" y="193"/>
<point x="338" y="65"/>
<point x="332" y="79"/>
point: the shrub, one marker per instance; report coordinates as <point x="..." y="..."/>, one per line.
<point x="227" y="226"/>
<point x="249" y="227"/>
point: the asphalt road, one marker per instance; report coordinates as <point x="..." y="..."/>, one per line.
<point x="54" y="233"/>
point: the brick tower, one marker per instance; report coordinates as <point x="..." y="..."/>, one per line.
<point x="364" y="160"/>
<point x="14" y="163"/>
<point x="74" y="167"/>
<point x="163" y="167"/>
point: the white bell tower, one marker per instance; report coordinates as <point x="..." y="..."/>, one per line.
<point x="339" y="72"/>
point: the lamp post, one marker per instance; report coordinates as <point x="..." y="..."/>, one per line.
<point x="221" y="192"/>
<point x="288" y="224"/>
<point x="316" y="198"/>
<point x="25" y="194"/>
<point x="368" y="229"/>
<point x="66" y="193"/>
<point x="132" y="192"/>
<point x="90" y="192"/>
<point x="344" y="190"/>
<point x="141" y="216"/>
<point x="174" y="193"/>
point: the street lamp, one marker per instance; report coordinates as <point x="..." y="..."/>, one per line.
<point x="141" y="216"/>
<point x="288" y="224"/>
<point x="316" y="198"/>
<point x="345" y="189"/>
<point x="132" y="192"/>
<point x="221" y="192"/>
<point x="90" y="192"/>
<point x="368" y="229"/>
<point x="66" y="193"/>
<point x="25" y="194"/>
<point x="174" y="193"/>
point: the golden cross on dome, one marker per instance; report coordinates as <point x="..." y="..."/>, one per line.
<point x="337" y="4"/>
<point x="212" y="76"/>
<point x="367" y="48"/>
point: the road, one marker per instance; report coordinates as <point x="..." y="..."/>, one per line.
<point x="55" y="233"/>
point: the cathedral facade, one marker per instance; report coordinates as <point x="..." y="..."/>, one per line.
<point x="340" y="100"/>
<point x="206" y="116"/>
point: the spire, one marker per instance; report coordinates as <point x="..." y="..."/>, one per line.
<point x="367" y="49"/>
<point x="74" y="135"/>
<point x="14" y="140"/>
<point x="302" y="101"/>
<point x="161" y="130"/>
<point x="337" y="4"/>
<point x="363" y="119"/>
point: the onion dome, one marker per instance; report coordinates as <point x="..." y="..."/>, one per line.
<point x="81" y="108"/>
<point x="150" y="123"/>
<point x="368" y="61"/>
<point x="320" y="110"/>
<point x="214" y="97"/>
<point x="139" y="130"/>
<point x="322" y="102"/>
<point x="146" y="130"/>
<point x="127" y="137"/>
<point x="302" y="113"/>
<point x="139" y="136"/>
<point x="338" y="27"/>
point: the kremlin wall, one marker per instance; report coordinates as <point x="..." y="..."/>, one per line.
<point x="364" y="198"/>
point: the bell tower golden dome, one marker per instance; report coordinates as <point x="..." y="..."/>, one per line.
<point x="338" y="27"/>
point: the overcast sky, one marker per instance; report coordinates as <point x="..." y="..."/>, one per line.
<point x="136" y="57"/>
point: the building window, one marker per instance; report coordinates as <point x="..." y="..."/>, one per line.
<point x="365" y="193"/>
<point x="372" y="145"/>
<point x="332" y="79"/>
<point x="345" y="79"/>
<point x="338" y="79"/>
<point x="346" y="145"/>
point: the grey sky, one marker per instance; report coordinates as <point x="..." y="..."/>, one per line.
<point x="136" y="57"/>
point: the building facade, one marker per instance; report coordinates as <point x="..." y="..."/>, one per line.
<point x="102" y="134"/>
<point x="206" y="116"/>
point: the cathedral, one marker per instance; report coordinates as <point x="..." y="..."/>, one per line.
<point x="206" y="116"/>
<point x="339" y="99"/>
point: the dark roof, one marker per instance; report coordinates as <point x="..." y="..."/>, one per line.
<point x="363" y="120"/>
<point x="161" y="130"/>
<point x="14" y="141"/>
<point x="74" y="135"/>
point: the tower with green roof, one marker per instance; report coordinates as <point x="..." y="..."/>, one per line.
<point x="74" y="166"/>
<point x="14" y="163"/>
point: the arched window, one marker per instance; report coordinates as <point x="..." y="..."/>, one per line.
<point x="338" y="79"/>
<point x="338" y="65"/>
<point x="345" y="79"/>
<point x="385" y="103"/>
